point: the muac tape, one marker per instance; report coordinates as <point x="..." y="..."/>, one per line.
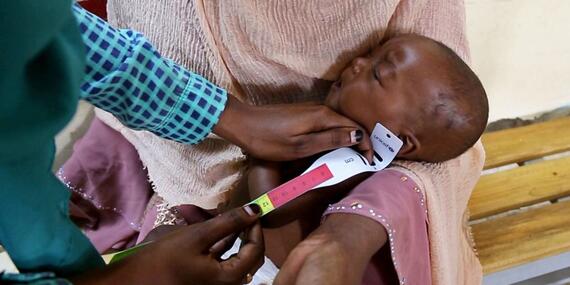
<point x="333" y="168"/>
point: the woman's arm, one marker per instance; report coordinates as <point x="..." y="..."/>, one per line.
<point x="387" y="207"/>
<point x="336" y="253"/>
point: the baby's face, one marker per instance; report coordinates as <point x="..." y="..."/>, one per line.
<point x="390" y="85"/>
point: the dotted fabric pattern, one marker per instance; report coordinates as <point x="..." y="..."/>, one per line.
<point x="126" y="76"/>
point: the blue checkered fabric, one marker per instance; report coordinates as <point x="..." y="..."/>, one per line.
<point x="127" y="77"/>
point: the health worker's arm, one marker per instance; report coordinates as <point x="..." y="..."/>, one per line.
<point x="129" y="78"/>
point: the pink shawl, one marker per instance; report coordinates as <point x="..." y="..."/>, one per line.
<point x="267" y="51"/>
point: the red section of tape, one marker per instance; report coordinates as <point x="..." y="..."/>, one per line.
<point x="299" y="185"/>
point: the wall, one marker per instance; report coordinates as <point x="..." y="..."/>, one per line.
<point x="521" y="51"/>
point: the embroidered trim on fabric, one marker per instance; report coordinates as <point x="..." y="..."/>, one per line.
<point x="81" y="192"/>
<point x="357" y="206"/>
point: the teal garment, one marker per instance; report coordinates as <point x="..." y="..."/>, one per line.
<point x="40" y="278"/>
<point x="41" y="67"/>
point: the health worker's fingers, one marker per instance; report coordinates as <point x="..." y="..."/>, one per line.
<point x="313" y="143"/>
<point x="365" y="148"/>
<point x="324" y="118"/>
<point x="223" y="245"/>
<point x="232" y="221"/>
<point x="250" y="256"/>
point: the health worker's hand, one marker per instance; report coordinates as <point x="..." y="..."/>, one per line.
<point x="289" y="131"/>
<point x="191" y="255"/>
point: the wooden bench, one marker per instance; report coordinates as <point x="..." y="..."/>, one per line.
<point x="520" y="215"/>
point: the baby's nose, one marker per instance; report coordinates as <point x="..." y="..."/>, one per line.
<point x="358" y="64"/>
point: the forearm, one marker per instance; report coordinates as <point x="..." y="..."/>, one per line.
<point x="357" y="236"/>
<point x="336" y="253"/>
<point x="234" y="121"/>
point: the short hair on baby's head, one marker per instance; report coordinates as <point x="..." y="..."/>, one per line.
<point x="461" y="109"/>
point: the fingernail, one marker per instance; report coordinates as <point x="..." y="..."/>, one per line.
<point x="252" y="209"/>
<point x="355" y="136"/>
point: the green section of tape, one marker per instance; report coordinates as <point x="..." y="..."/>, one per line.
<point x="264" y="203"/>
<point x="122" y="254"/>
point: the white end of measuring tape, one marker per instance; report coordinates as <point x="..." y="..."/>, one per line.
<point x="385" y="143"/>
<point x="346" y="162"/>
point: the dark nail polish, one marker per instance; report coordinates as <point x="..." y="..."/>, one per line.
<point x="358" y="135"/>
<point x="256" y="208"/>
<point x="252" y="209"/>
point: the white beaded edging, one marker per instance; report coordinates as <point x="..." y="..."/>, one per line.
<point x="358" y="207"/>
<point x="81" y="192"/>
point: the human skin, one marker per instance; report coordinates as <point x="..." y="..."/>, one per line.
<point x="288" y="131"/>
<point x="390" y="85"/>
<point x="396" y="84"/>
<point x="189" y="255"/>
<point x="379" y="81"/>
<point x="285" y="227"/>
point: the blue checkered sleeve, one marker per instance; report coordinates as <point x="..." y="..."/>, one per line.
<point x="127" y="77"/>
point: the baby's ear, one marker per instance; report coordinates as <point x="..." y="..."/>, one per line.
<point x="411" y="145"/>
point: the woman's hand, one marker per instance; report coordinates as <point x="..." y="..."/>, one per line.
<point x="335" y="253"/>
<point x="317" y="260"/>
<point x="191" y="255"/>
<point x="288" y="131"/>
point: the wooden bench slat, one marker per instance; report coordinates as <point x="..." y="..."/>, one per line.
<point x="519" y="187"/>
<point x="525" y="237"/>
<point x="526" y="143"/>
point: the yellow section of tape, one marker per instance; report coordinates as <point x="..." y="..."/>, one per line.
<point x="265" y="204"/>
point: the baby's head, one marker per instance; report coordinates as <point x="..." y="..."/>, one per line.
<point x="420" y="90"/>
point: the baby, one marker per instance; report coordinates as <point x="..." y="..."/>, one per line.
<point x="420" y="90"/>
<point x="416" y="87"/>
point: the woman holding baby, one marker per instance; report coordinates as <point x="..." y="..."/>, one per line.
<point x="267" y="52"/>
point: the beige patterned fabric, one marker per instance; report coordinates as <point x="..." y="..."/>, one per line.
<point x="269" y="51"/>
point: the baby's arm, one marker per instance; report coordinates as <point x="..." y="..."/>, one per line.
<point x="264" y="176"/>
